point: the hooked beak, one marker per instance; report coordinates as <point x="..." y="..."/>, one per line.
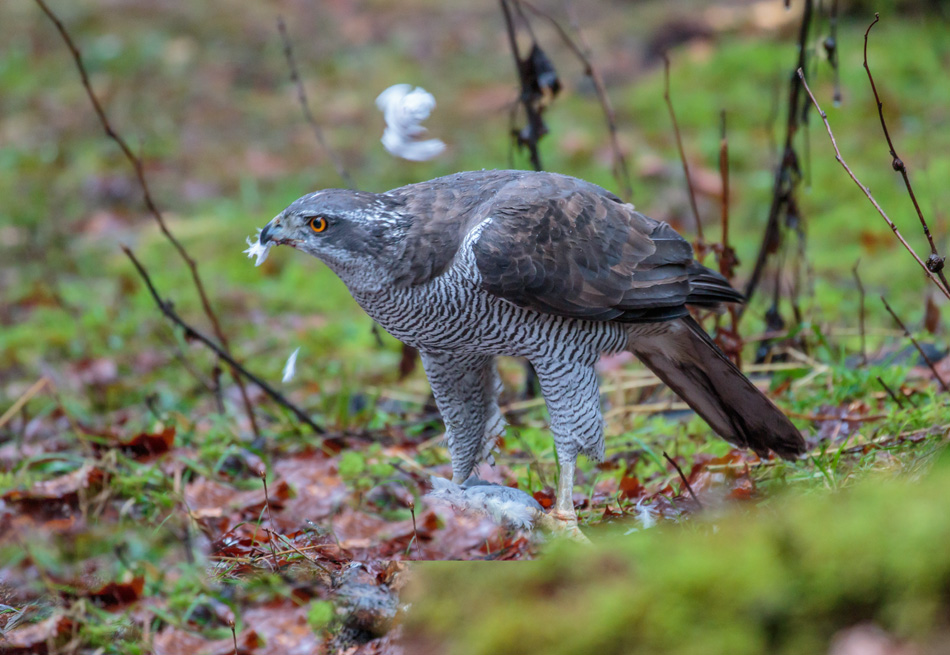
<point x="267" y="233"/>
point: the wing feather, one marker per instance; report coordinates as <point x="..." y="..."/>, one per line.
<point x="562" y="246"/>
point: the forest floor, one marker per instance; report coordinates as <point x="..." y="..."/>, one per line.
<point x="141" y="510"/>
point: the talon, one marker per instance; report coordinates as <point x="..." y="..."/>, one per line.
<point x="562" y="524"/>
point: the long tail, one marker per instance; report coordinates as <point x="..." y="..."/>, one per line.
<point x="685" y="358"/>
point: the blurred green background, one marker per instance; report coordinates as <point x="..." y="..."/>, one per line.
<point x="202" y="92"/>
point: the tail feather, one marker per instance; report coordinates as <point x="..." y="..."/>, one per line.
<point x="687" y="360"/>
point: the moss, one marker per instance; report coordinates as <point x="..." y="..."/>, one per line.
<point x="778" y="580"/>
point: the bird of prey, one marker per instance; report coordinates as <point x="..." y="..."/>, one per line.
<point x="543" y="266"/>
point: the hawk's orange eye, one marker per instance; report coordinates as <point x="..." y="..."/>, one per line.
<point x="318" y="223"/>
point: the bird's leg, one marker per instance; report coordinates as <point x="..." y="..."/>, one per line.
<point x="564" y="503"/>
<point x="562" y="520"/>
<point x="464" y="386"/>
<point x="573" y="399"/>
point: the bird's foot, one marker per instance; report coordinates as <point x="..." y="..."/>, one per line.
<point x="562" y="525"/>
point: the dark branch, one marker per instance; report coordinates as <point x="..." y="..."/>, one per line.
<point x="729" y="340"/>
<point x="584" y="54"/>
<point x="857" y="279"/>
<point x="933" y="368"/>
<point x="139" y="168"/>
<point x="683" y="478"/>
<point x="700" y="244"/>
<point x="535" y="128"/>
<point x="787" y="173"/>
<point x="190" y="332"/>
<point x="890" y="392"/>
<point x="935" y="262"/>
<point x="305" y="106"/>
<point x="831" y="49"/>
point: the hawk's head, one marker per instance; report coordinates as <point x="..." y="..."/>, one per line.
<point x="346" y="229"/>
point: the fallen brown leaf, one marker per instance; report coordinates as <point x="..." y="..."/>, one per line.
<point x="35" y="637"/>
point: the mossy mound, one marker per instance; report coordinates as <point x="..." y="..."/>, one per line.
<point x="781" y="579"/>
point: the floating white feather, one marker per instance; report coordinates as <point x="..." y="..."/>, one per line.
<point x="404" y="109"/>
<point x="290" y="368"/>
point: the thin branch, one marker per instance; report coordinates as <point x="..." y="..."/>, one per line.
<point x="139" y="168"/>
<point x="935" y="262"/>
<point x="415" y="534"/>
<point x="300" y="552"/>
<point x="167" y="309"/>
<point x="34" y="389"/>
<point x="270" y="517"/>
<point x="584" y="53"/>
<point x="725" y="265"/>
<point x="535" y="127"/>
<point x="787" y="173"/>
<point x="700" y="241"/>
<point x="305" y="106"/>
<point x="729" y="340"/>
<point x="831" y="48"/>
<point x="933" y="368"/>
<point x="890" y="392"/>
<point x="857" y="279"/>
<point x="683" y="478"/>
<point x="867" y="192"/>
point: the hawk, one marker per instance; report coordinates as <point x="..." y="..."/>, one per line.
<point x="543" y="266"/>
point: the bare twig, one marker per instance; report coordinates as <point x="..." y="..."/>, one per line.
<point x="137" y="165"/>
<point x="415" y="534"/>
<point x="167" y="309"/>
<point x="305" y="106"/>
<point x="683" y="478"/>
<point x="729" y="340"/>
<point x="535" y="128"/>
<point x="34" y="389"/>
<point x="870" y="418"/>
<point x="935" y="262"/>
<point x="726" y="264"/>
<point x="787" y="173"/>
<point x="233" y="635"/>
<point x="913" y="436"/>
<point x="270" y="517"/>
<point x="867" y="191"/>
<point x="857" y="279"/>
<point x="584" y="53"/>
<point x="831" y="49"/>
<point x="300" y="552"/>
<point x="933" y="368"/>
<point x="890" y="392"/>
<point x="700" y="244"/>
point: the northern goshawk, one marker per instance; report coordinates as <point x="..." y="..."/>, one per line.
<point x="536" y="265"/>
